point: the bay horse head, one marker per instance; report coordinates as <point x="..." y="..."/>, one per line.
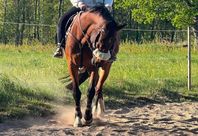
<point x="104" y="41"/>
<point x="92" y="40"/>
<point x="103" y="37"/>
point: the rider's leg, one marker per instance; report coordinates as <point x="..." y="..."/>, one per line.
<point x="61" y="31"/>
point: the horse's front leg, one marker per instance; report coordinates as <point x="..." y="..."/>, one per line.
<point x="99" y="107"/>
<point x="90" y="95"/>
<point x="76" y="94"/>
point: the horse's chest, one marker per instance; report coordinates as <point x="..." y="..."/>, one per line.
<point x="84" y="56"/>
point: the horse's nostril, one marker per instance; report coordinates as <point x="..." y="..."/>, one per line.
<point x="103" y="50"/>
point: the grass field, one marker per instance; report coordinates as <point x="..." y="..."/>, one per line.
<point x="29" y="76"/>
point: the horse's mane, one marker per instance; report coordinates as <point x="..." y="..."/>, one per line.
<point x="103" y="11"/>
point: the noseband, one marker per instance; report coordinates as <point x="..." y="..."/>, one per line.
<point x="96" y="52"/>
<point x="101" y="55"/>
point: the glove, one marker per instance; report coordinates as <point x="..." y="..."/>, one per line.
<point x="82" y="6"/>
<point x="109" y="7"/>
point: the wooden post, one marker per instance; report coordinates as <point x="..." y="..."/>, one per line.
<point x="189" y="60"/>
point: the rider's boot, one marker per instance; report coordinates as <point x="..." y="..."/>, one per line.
<point x="59" y="51"/>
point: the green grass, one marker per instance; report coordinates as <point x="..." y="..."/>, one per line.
<point x="29" y="82"/>
<point x="29" y="76"/>
<point x="152" y="71"/>
<point x="18" y="101"/>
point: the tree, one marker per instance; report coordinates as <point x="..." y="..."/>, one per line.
<point x="60" y="8"/>
<point x="27" y="20"/>
<point x="181" y="13"/>
<point x="4" y="39"/>
<point x="124" y="13"/>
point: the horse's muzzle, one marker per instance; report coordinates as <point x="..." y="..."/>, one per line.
<point x="101" y="55"/>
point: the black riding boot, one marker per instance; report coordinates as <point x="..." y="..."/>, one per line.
<point x="62" y="26"/>
<point x="59" y="53"/>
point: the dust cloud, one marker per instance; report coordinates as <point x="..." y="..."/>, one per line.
<point x="64" y="117"/>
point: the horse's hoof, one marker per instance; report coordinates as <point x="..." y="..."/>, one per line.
<point x="101" y="108"/>
<point x="77" y="122"/>
<point x="88" y="117"/>
<point x="88" y="122"/>
<point x="94" y="111"/>
<point x="100" y="113"/>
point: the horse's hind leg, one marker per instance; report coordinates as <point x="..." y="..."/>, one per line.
<point x="90" y="95"/>
<point x="82" y="78"/>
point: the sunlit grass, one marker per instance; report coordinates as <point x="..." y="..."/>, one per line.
<point x="33" y="66"/>
<point x="149" y="70"/>
<point x="146" y="62"/>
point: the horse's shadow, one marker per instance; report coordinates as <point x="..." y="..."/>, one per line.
<point x="123" y="102"/>
<point x="120" y="97"/>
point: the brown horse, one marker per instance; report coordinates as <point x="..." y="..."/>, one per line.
<point x="91" y="44"/>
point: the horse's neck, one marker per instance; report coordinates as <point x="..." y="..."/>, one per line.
<point x="97" y="19"/>
<point x="88" y="22"/>
<point x="92" y="19"/>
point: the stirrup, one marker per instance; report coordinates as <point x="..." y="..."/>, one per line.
<point x="59" y="53"/>
<point x="81" y="69"/>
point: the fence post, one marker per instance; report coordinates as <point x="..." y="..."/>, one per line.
<point x="189" y="59"/>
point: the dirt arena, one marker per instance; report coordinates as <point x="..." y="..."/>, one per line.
<point x="152" y="119"/>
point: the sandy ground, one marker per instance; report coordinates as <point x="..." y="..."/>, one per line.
<point x="153" y="119"/>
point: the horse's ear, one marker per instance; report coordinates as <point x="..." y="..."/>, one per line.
<point x="119" y="27"/>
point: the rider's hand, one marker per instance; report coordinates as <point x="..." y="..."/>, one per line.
<point x="109" y="7"/>
<point x="82" y="6"/>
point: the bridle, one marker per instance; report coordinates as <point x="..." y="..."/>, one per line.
<point x="91" y="44"/>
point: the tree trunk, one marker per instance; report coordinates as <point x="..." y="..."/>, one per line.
<point x="60" y="8"/>
<point x="39" y="15"/>
<point x="17" y="33"/>
<point x="172" y="36"/>
<point x="22" y="27"/>
<point x="137" y="34"/>
<point x="35" y="19"/>
<point x="4" y="37"/>
<point x="195" y="28"/>
<point x="152" y="35"/>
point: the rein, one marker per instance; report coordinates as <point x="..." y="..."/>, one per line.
<point x="80" y="44"/>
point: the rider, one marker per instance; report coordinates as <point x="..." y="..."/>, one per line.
<point x="78" y="5"/>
